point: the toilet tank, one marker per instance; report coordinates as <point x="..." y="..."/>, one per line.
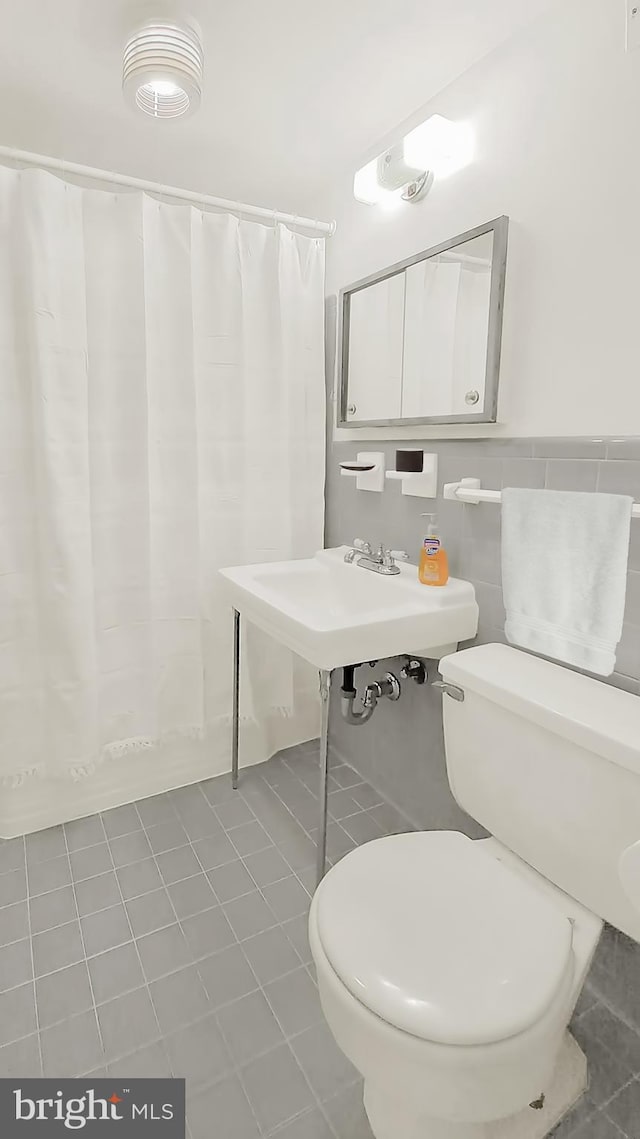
<point x="548" y="761"/>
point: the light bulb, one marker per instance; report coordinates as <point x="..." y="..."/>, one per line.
<point x="162" y="87"/>
<point x="439" y="145"/>
<point x="367" y="189"/>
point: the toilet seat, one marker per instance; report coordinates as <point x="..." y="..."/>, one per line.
<point x="439" y="938"/>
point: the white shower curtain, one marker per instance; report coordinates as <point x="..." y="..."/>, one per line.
<point x="161" y="415"/>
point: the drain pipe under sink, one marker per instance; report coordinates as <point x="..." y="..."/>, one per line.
<point x="388" y="687"/>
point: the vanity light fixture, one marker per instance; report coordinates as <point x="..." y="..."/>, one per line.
<point x="390" y="179"/>
<point x="442" y="145"/>
<point x="162" y="68"/>
<point x="406" y="171"/>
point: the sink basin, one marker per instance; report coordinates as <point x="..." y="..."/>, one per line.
<point x="333" y="614"/>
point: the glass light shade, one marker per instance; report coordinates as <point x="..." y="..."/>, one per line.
<point x="367" y="189"/>
<point x="162" y="69"/>
<point x="439" y="145"/>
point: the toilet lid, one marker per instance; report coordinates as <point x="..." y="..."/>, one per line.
<point x="441" y="939"/>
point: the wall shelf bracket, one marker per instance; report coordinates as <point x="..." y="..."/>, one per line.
<point x="367" y="470"/>
<point x="419" y="484"/>
<point x="467" y="486"/>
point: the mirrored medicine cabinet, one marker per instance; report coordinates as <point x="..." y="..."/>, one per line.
<point x="420" y="341"/>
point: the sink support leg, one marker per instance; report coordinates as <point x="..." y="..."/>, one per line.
<point x="235" y="708"/>
<point x="325" y="691"/>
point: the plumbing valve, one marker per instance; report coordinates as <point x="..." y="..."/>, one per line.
<point x="414" y="669"/>
<point x="389" y="686"/>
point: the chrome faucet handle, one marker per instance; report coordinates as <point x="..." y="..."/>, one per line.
<point x="358" y="546"/>
<point x="390" y="557"/>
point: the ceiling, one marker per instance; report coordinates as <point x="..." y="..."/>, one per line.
<point x="294" y="90"/>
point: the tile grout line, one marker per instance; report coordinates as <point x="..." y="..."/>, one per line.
<point x="280" y="1127"/>
<point x="317" y="1099"/>
<point x="206" y="873"/>
<point x="241" y="858"/>
<point x="286" y="1038"/>
<point x="145" y="984"/>
<point x="194" y="963"/>
<point x="84" y="948"/>
<point x="602" y="1109"/>
<point x="33" y="967"/>
<point x="224" y="1004"/>
<point x="212" y="1012"/>
<point x="606" y="1102"/>
<point x="350" y="788"/>
<point x="234" y="1068"/>
<point x="635" y="1071"/>
<point x="336" y="822"/>
<point x="621" y="1016"/>
<point x="273" y="844"/>
<point x="237" y="1068"/>
<point x="303" y="828"/>
<point x="136" y="897"/>
<point x="217" y="904"/>
<point x="228" y="831"/>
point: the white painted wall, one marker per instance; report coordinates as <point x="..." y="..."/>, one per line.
<point x="556" y="114"/>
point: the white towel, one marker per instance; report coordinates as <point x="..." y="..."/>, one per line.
<point x="564" y="573"/>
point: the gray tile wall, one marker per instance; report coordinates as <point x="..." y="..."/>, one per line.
<point x="472" y="533"/>
<point x="401" y="750"/>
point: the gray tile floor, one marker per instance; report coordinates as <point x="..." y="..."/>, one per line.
<point x="611" y="1107"/>
<point x="169" y="937"/>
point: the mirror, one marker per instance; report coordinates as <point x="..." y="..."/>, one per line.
<point x="421" y="340"/>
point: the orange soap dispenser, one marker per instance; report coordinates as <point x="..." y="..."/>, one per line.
<point x="434" y="564"/>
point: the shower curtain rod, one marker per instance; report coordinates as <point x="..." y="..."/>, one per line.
<point x="325" y="227"/>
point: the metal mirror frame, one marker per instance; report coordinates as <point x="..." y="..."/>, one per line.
<point x="488" y="413"/>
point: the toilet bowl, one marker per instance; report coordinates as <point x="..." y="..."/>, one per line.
<point x="448" y="968"/>
<point x="447" y="975"/>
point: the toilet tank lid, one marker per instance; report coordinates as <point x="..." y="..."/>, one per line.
<point x="591" y="714"/>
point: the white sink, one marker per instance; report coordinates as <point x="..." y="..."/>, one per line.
<point x="334" y="614"/>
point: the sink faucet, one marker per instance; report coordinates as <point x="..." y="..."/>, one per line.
<point x="359" y="546"/>
<point x="382" y="561"/>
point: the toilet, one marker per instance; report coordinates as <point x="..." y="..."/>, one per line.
<point x="448" y="968"/>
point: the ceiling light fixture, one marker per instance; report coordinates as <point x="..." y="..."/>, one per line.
<point x="162" y="69"/>
<point x="406" y="171"/>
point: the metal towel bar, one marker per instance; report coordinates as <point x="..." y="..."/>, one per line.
<point x="470" y="490"/>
